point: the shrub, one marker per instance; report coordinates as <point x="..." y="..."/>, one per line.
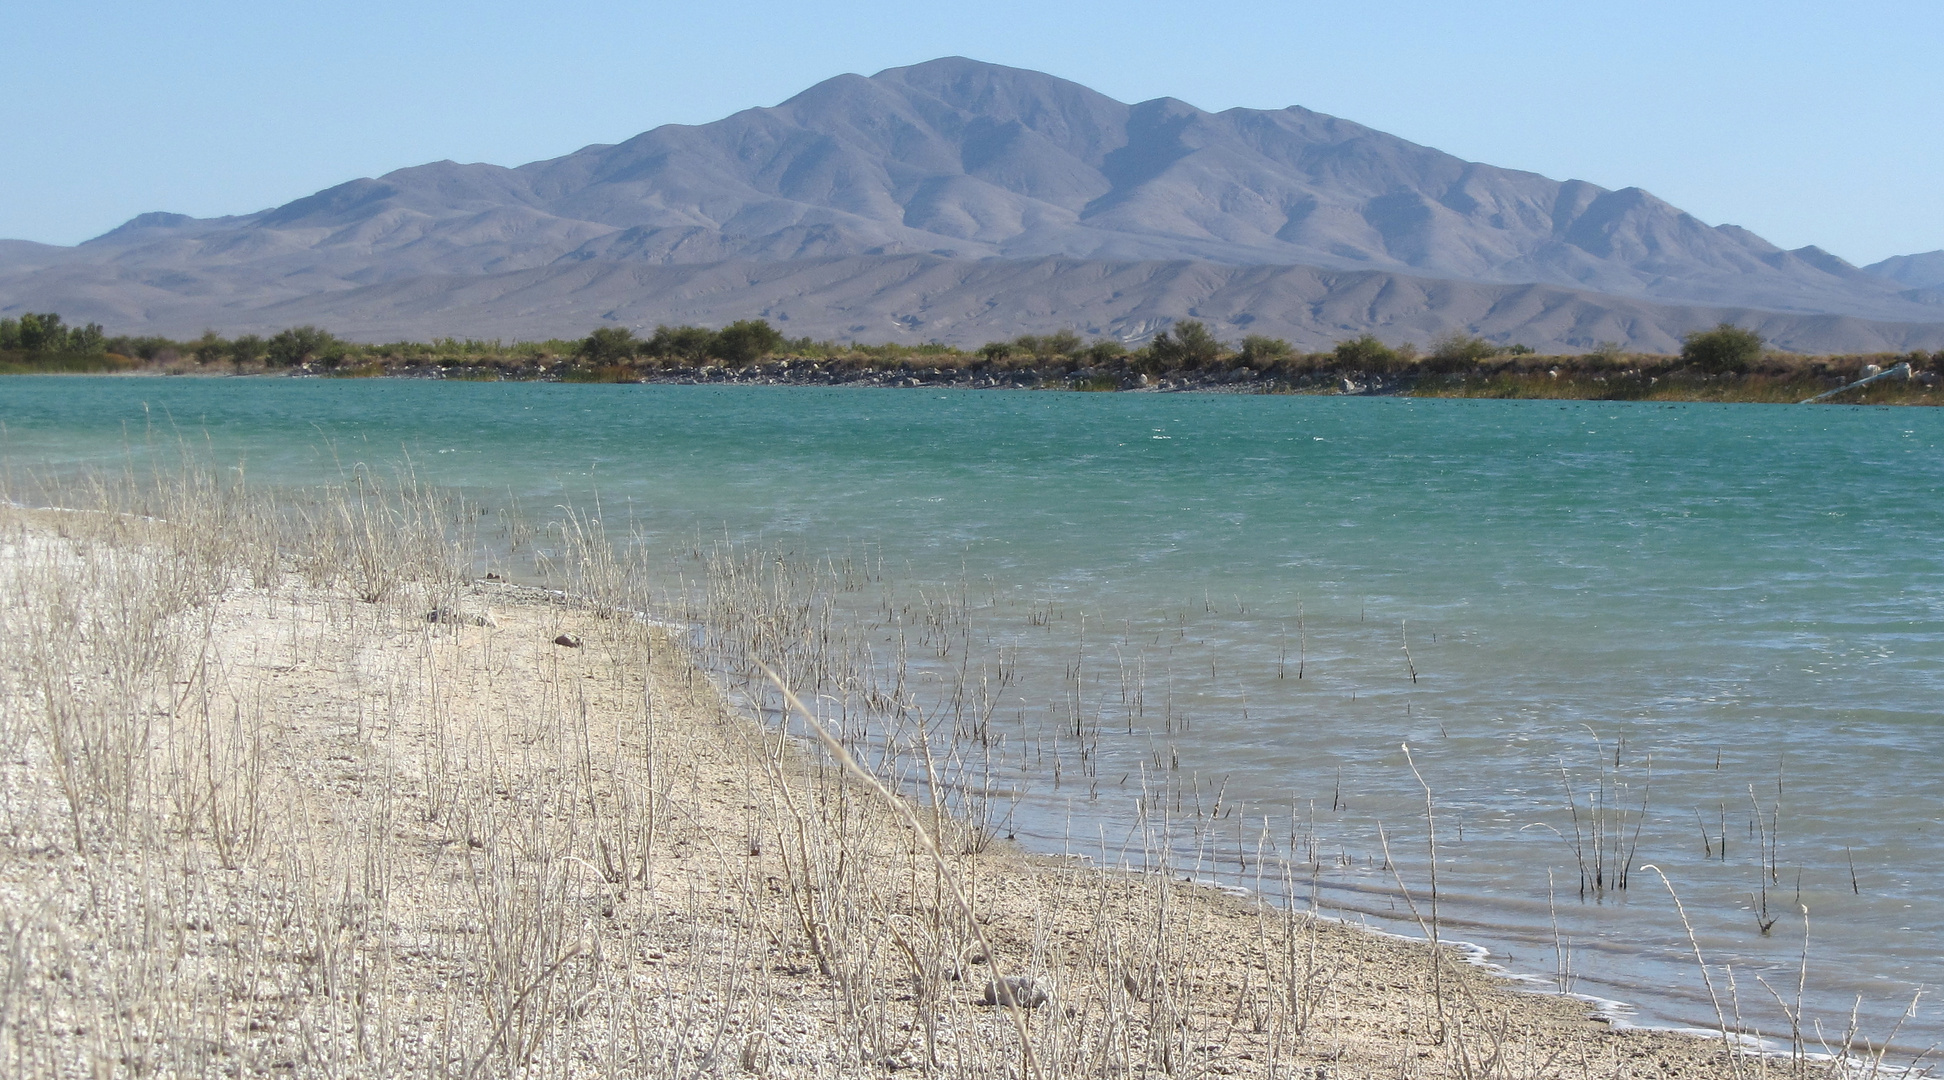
<point x="1459" y="347"/>
<point x="302" y="345"/>
<point x="1188" y="345"/>
<point x="41" y="333"/>
<point x="209" y="348"/>
<point x="746" y="342"/>
<point x="690" y="343"/>
<point x="1726" y="348"/>
<point x="1044" y="347"/>
<point x="608" y="345"/>
<point x="46" y="334"/>
<point x="1263" y="353"/>
<point x="1365" y="353"/>
<point x="996" y="352"/>
<point x="88" y="340"/>
<point x="247" y="349"/>
<point x="1061" y="343"/>
<point x="1105" y="351"/>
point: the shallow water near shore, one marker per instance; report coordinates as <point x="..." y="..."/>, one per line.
<point x="1268" y="597"/>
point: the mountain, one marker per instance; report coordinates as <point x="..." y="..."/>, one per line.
<point x="974" y="172"/>
<point x="1925" y="271"/>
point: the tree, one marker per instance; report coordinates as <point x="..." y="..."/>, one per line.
<point x="1726" y="348"/>
<point x="1058" y="343"/>
<point x="609" y="345"/>
<point x="1188" y="345"/>
<point x="89" y="340"/>
<point x="996" y="352"/>
<point x="1105" y="351"/>
<point x="1365" y="353"/>
<point x="1459" y="347"/>
<point x="690" y="343"/>
<point x="1263" y="353"/>
<point x="42" y="333"/>
<point x="1048" y="346"/>
<point x="302" y="345"/>
<point x="747" y="341"/>
<point x="247" y="349"/>
<point x="209" y="348"/>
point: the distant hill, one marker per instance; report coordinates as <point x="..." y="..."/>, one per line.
<point x="867" y="193"/>
<point x="1925" y="271"/>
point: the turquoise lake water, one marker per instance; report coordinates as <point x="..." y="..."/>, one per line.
<point x="1750" y="596"/>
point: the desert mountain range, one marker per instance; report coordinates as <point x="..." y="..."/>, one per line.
<point x="961" y="201"/>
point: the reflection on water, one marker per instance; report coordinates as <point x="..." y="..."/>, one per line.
<point x="1732" y="616"/>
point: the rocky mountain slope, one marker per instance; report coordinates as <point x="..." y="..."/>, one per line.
<point x="985" y="175"/>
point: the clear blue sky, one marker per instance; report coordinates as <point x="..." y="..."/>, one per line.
<point x="1807" y="122"/>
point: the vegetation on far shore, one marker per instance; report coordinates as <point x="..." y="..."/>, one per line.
<point x="1726" y="363"/>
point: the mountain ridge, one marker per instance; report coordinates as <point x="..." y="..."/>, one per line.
<point x="1924" y="270"/>
<point x="964" y="161"/>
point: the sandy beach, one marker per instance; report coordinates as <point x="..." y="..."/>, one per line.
<point x="296" y="804"/>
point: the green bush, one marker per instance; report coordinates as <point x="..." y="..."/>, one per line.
<point x="209" y="348"/>
<point x="1048" y="347"/>
<point x="247" y="349"/>
<point x="689" y="343"/>
<point x="1726" y="348"/>
<point x="608" y="345"/>
<point x="1187" y="346"/>
<point x="1263" y="353"/>
<point x="303" y="345"/>
<point x="1060" y="343"/>
<point x="1459" y="347"/>
<point x="40" y="333"/>
<point x="1105" y="351"/>
<point x="45" y="334"/>
<point x="746" y="342"/>
<point x="1366" y="353"/>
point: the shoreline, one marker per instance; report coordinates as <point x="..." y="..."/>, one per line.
<point x="1534" y="378"/>
<point x="721" y="867"/>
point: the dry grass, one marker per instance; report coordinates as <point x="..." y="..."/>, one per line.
<point x="264" y="817"/>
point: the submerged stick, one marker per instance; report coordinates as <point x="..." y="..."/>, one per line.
<point x="1431" y="827"/>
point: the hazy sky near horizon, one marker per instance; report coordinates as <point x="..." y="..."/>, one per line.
<point x="1810" y="123"/>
